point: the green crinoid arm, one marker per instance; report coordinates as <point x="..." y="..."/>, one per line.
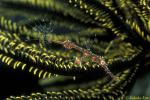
<point x="114" y="88"/>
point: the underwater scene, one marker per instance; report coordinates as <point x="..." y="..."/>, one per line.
<point x="74" y="49"/>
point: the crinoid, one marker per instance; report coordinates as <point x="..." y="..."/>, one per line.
<point x="43" y="46"/>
